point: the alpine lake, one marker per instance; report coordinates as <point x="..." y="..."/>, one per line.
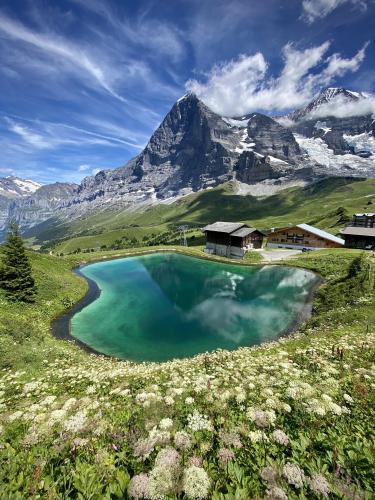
<point x="162" y="306"/>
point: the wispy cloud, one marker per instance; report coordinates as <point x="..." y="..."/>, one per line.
<point x="6" y="171"/>
<point x="102" y="62"/>
<point x="163" y="38"/>
<point x="84" y="167"/>
<point x="57" y="47"/>
<point x="243" y="85"/>
<point x="313" y="10"/>
<point x="46" y="134"/>
<point x="36" y="140"/>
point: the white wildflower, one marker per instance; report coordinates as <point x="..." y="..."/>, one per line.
<point x="348" y="398"/>
<point x="280" y="437"/>
<point x="334" y="408"/>
<point x="319" y="485"/>
<point x="166" y="423"/>
<point x="294" y="474"/>
<point x="139" y="487"/>
<point x="198" y="422"/>
<point x="182" y="440"/>
<point x="69" y="403"/>
<point x="31" y="387"/>
<point x="257" y="436"/>
<point x="276" y="493"/>
<point x="76" y="422"/>
<point x="196" y="483"/>
<point x="15" y="416"/>
<point x="162" y="483"/>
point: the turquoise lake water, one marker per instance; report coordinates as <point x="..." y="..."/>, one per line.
<point x="163" y="306"/>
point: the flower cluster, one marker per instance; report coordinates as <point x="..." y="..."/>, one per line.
<point x="181" y="425"/>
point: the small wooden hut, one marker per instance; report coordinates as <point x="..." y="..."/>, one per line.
<point x="361" y="232"/>
<point x="231" y="239"/>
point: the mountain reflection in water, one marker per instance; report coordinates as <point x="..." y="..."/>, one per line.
<point x="162" y="306"/>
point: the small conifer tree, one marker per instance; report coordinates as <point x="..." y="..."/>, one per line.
<point x="15" y="270"/>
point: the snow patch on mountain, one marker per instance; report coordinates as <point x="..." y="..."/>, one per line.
<point x="322" y="126"/>
<point x="361" y="142"/>
<point x="274" y="160"/>
<point x="14" y="187"/>
<point x="246" y="143"/>
<point x="319" y="152"/>
<point x="267" y="187"/>
<point x="236" y="122"/>
<point x="27" y="186"/>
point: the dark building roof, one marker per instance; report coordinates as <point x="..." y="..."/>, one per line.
<point x="359" y="231"/>
<point x="223" y="227"/>
<point x="244" y="231"/>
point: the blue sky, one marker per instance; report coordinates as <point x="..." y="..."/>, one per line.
<point x="84" y="83"/>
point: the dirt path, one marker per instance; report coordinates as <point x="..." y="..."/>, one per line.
<point x="271" y="255"/>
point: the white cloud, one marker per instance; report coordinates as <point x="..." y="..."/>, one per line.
<point x="36" y="140"/>
<point x="241" y="86"/>
<point x="342" y="108"/>
<point x="95" y="171"/>
<point x="338" y="66"/>
<point x="83" y="168"/>
<point x="230" y="83"/>
<point x="313" y="10"/>
<point x="6" y="171"/>
<point x="161" y="38"/>
<point x="60" y="48"/>
<point x="99" y="60"/>
<point x="46" y="134"/>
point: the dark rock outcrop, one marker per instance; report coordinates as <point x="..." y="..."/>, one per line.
<point x="195" y="148"/>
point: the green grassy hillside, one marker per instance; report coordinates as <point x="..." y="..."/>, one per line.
<point x="289" y="419"/>
<point x="328" y="204"/>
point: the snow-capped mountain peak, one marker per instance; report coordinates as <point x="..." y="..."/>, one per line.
<point x="325" y="97"/>
<point x="14" y="187"/>
<point x="27" y="186"/>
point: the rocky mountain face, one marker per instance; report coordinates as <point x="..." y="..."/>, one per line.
<point x="33" y="203"/>
<point x="195" y="148"/>
<point x="338" y="140"/>
<point x="13" y="187"/>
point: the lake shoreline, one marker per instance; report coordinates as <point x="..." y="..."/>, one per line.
<point x="61" y="326"/>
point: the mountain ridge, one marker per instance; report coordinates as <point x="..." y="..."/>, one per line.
<point x="195" y="149"/>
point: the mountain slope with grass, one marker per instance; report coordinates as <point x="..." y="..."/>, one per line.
<point x="327" y="204"/>
<point x="194" y="149"/>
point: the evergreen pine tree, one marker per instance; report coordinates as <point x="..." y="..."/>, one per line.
<point x="15" y="271"/>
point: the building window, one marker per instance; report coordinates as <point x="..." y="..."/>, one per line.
<point x="295" y="238"/>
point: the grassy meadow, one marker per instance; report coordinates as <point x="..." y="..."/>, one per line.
<point x="328" y="204"/>
<point x="288" y="419"/>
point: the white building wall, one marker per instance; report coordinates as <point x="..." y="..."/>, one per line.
<point x="293" y="247"/>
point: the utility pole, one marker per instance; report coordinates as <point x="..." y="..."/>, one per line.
<point x="183" y="239"/>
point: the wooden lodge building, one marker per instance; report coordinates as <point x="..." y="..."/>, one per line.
<point x="231" y="239"/>
<point x="361" y="232"/>
<point x="303" y="236"/>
